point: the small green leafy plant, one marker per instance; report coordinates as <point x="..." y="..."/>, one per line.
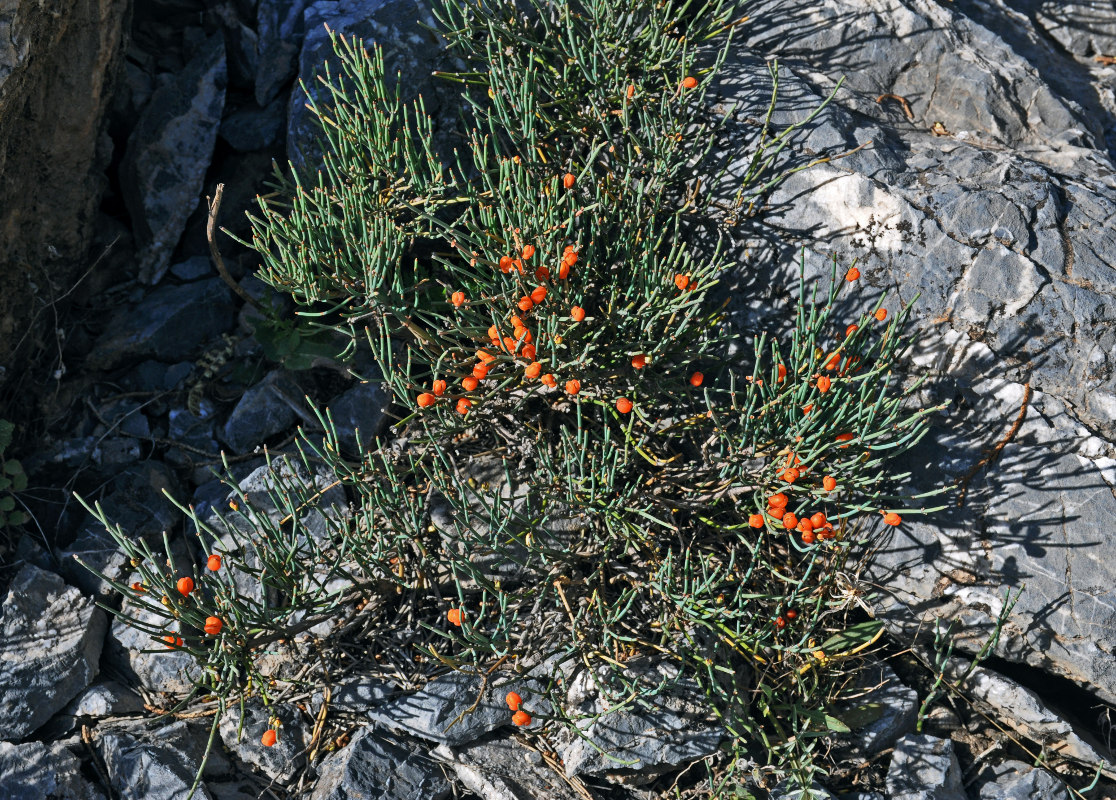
<point x="586" y="476"/>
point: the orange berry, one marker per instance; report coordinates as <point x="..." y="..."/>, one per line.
<point x="577" y="313"/>
<point x="521" y="717"/>
<point x="818" y="520"/>
<point x="538" y="294"/>
<point x="689" y="82"/>
<point x="138" y="587"/>
<point x="505" y="263"/>
<point x="834" y="362"/>
<point x="185" y="585"/>
<point x="509" y="344"/>
<point x="542" y="274"/>
<point x="269" y="738"/>
<point x="804" y="525"/>
<point x="891" y="518"/>
<point x="782" y="373"/>
<point x="514" y="701"/>
<point x="829" y="482"/>
<point x="779" y="623"/>
<point x="624" y="405"/>
<point x="791" y="614"/>
<point x="823" y="384"/>
<point x="527" y="252"/>
<point x="458" y="298"/>
<point x="563" y="271"/>
<point x="809" y="537"/>
<point x="480" y="371"/>
<point x="426" y="399"/>
<point x="522" y="335"/>
<point x="438" y="387"/>
<point x="454" y="616"/>
<point x="526" y="304"/>
<point x="213" y="625"/>
<point x="485" y="356"/>
<point x="533" y="370"/>
<point x="790" y="521"/>
<point x="807" y="409"/>
<point x="790" y="475"/>
<point x="639" y="361"/>
<point x="696" y="379"/>
<point x="631" y="91"/>
<point x="844" y="437"/>
<point x="173" y="641"/>
<point x="881" y="315"/>
<point x="681" y="281"/>
<point x="756" y="520"/>
<point x="528" y="352"/>
<point x="852" y="274"/>
<point x="518" y="265"/>
<point x="849" y="331"/>
<point x="569" y="258"/>
<point x="470" y="383"/>
<point x="549" y="380"/>
<point x="573" y="386"/>
<point x="213" y="562"/>
<point x="777" y="512"/>
<point x="777" y="500"/>
<point x="568" y="180"/>
<point x="463" y="406"/>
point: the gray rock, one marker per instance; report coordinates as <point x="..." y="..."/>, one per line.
<point x="105" y="698"/>
<point x="254" y="128"/>
<point x="281" y="31"/>
<point x="145" y="657"/>
<point x="437" y="712"/>
<point x="409" y="48"/>
<point x="139" y="506"/>
<point x="369" y="768"/>
<point x="924" y="768"/>
<point x="359" y="416"/>
<point x="159" y="766"/>
<point x="1015" y="780"/>
<point x="268" y="408"/>
<point x="645" y="739"/>
<point x="155" y="376"/>
<point x="283" y="760"/>
<point x="950" y="69"/>
<point x="357" y="695"/>
<point x="193" y="269"/>
<point x="888" y="711"/>
<point x="1025" y="712"/>
<point x="34" y="771"/>
<point x="1084" y="29"/>
<point x="861" y="796"/>
<point x="500" y="768"/>
<point x="170" y="324"/>
<point x="52" y="638"/>
<point x="168" y="153"/>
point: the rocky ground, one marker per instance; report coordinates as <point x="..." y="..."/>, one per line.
<point x="976" y="142"/>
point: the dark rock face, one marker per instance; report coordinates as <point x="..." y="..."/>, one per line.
<point x="168" y="153"/>
<point x="51" y="642"/>
<point x="50" y="119"/>
<point x="369" y="768"/>
<point x="34" y="771"/>
<point x="1002" y="225"/>
<point x="153" y="767"/>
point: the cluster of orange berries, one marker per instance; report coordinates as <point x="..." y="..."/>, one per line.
<point x="185" y="586"/>
<point x="790" y="615"/>
<point x="520" y="717"/>
<point x="812" y="527"/>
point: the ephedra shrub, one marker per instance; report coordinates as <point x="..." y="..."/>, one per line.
<point x="581" y="485"/>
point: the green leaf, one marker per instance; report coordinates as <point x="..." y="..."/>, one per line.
<point x="12" y="467"/>
<point x="862" y="715"/>
<point x="835" y="725"/>
<point x="19" y="482"/>
<point x="852" y="637"/>
<point x="6" y="430"/>
<point x="7" y="503"/>
<point x="5" y="483"/>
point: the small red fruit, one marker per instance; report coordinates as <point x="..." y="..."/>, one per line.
<point x="790" y="521"/>
<point x="269" y="738"/>
<point x="639" y="361"/>
<point x="213" y="625"/>
<point x="829" y="483"/>
<point x="689" y="82"/>
<point x="681" y="281"/>
<point x="538" y="294"/>
<point x="573" y="386"/>
<point x="514" y="701"/>
<point x="521" y="717"/>
<point x="438" y="387"/>
<point x="696" y="379"/>
<point x="527" y="252"/>
<point x="577" y="313"/>
<point x="881" y="315"/>
<point x="533" y="370"/>
<point x="426" y="399"/>
<point x="756" y="520"/>
<point x="213" y="562"/>
<point x="454" y="616"/>
<point x="568" y="180"/>
<point x="463" y="406"/>
<point x="892" y="518"/>
<point x="458" y="299"/>
<point x="777" y="500"/>
<point x="525" y="303"/>
<point x="624" y="405"/>
<point x="824" y="383"/>
<point x="852" y="274"/>
<point x="470" y="383"/>
<point x="185" y="585"/>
